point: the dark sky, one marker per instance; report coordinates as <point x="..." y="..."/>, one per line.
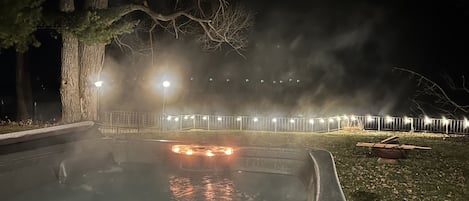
<point x="342" y="53"/>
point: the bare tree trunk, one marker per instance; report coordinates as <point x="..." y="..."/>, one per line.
<point x="21" y="99"/>
<point x="81" y="65"/>
<point x="91" y="62"/>
<point x="69" y="89"/>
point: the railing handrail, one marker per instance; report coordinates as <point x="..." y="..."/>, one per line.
<point x="143" y="119"/>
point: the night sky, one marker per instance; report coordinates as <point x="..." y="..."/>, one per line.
<point x="325" y="57"/>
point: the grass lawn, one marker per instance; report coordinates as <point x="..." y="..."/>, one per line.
<point x="438" y="174"/>
<point x="8" y="128"/>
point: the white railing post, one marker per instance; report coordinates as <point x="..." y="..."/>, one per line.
<point x="447" y="125"/>
<point x="240" y="123"/>
<point x="193" y="121"/>
<point x="412" y="125"/>
<point x="181" y="118"/>
<point x="379" y="123"/>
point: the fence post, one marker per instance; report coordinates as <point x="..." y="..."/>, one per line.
<point x="193" y="121"/>
<point x="312" y="126"/>
<point x="138" y="122"/>
<point x="328" y="126"/>
<point x="110" y="118"/>
<point x="379" y="123"/>
<point x="180" y="122"/>
<point x="412" y="125"/>
<point x="208" y="122"/>
<point x="338" y="124"/>
<point x="240" y="123"/>
<point x="449" y="121"/>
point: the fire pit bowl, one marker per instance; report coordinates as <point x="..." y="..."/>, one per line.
<point x="394" y="153"/>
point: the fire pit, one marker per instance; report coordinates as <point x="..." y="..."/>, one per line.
<point x="389" y="150"/>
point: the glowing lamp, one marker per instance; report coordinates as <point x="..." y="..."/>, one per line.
<point x="466" y="122"/>
<point x="331" y="120"/>
<point x="204" y="118"/>
<point x="168" y="118"/>
<point x="407" y="120"/>
<point x="98" y="84"/>
<point x="292" y="121"/>
<point x="192" y="117"/>
<point x="353" y="118"/>
<point x="445" y="121"/>
<point x="255" y="119"/>
<point x="238" y="119"/>
<point x="274" y="120"/>
<point x="321" y="120"/>
<point x="311" y="121"/>
<point x="388" y="119"/>
<point x="219" y="118"/>
<point x="189" y="152"/>
<point x="186" y="117"/>
<point x="166" y="84"/>
<point x="369" y="118"/>
<point x="427" y="120"/>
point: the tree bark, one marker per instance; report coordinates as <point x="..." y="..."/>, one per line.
<point x="22" y="88"/>
<point x="69" y="89"/>
<point x="91" y="63"/>
<point x="91" y="60"/>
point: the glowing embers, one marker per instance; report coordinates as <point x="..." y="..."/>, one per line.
<point x="198" y="150"/>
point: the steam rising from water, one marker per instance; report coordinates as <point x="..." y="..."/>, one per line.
<point x="333" y="52"/>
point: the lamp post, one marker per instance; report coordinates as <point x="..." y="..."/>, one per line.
<point x="166" y="84"/>
<point x="97" y="84"/>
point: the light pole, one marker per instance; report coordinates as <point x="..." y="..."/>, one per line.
<point x="97" y="84"/>
<point x="166" y="84"/>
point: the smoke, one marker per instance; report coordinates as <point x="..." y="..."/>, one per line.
<point x="314" y="59"/>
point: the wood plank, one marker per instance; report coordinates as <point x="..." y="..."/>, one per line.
<point x="390" y="139"/>
<point x="390" y="146"/>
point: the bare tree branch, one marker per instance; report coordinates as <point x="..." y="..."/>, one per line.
<point x="442" y="101"/>
<point x="227" y="25"/>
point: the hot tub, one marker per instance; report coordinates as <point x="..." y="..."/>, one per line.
<point x="73" y="162"/>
